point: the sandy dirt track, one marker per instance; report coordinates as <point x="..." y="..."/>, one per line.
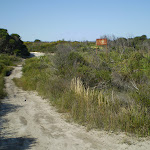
<point x="29" y="122"/>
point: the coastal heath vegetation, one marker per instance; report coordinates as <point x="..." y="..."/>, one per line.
<point x="101" y="91"/>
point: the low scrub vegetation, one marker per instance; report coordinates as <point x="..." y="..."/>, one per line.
<point x="6" y="63"/>
<point x="38" y="46"/>
<point x="98" y="91"/>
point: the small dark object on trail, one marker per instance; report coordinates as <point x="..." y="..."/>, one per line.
<point x="8" y="73"/>
<point x="25" y="100"/>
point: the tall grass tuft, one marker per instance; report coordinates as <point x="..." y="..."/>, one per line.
<point x="94" y="109"/>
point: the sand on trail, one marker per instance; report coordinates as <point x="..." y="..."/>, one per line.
<point x="29" y="122"/>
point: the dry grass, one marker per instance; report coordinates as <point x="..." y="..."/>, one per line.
<point x="95" y="110"/>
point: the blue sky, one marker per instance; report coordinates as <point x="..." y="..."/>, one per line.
<point x="52" y="20"/>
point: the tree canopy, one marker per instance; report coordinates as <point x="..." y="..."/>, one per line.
<point x="37" y="40"/>
<point x="12" y="44"/>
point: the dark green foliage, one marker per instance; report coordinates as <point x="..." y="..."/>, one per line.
<point x="4" y="37"/>
<point x="15" y="36"/>
<point x="37" y="40"/>
<point x="139" y="39"/>
<point x="12" y="44"/>
<point x="3" y="33"/>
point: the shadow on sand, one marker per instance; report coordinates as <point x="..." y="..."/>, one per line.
<point x="19" y="143"/>
<point x="31" y="55"/>
<point x="8" y="141"/>
<point x="6" y="108"/>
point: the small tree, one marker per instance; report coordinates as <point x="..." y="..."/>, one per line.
<point x="37" y="40"/>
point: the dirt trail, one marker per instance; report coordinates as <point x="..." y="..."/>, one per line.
<point x="29" y="122"/>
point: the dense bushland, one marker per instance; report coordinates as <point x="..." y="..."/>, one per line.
<point x="12" y="44"/>
<point x="107" y="92"/>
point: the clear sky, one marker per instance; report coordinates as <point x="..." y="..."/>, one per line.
<point x="51" y="20"/>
